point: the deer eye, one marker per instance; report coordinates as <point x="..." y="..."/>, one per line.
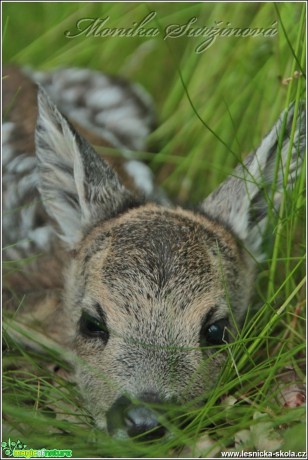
<point x="214" y="334"/>
<point x="92" y="327"/>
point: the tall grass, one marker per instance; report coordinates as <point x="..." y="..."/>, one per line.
<point x="213" y="108"/>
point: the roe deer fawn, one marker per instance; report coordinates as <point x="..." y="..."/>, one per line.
<point x="148" y="290"/>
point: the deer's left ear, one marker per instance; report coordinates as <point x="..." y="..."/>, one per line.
<point x="242" y="201"/>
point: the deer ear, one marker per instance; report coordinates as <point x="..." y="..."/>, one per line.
<point x="78" y="187"/>
<point x="242" y="201"/>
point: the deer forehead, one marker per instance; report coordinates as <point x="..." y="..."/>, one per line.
<point x="151" y="257"/>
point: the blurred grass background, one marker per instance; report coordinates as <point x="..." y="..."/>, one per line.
<point x="234" y="85"/>
<point x="212" y="108"/>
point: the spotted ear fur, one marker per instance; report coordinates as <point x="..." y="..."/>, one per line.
<point x="78" y="187"/>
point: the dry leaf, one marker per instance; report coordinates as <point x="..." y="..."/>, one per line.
<point x="263" y="434"/>
<point x="242" y="438"/>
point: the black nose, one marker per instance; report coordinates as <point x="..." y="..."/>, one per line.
<point x="129" y="419"/>
<point x="140" y="420"/>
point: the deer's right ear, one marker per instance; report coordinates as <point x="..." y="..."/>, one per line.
<point x="78" y="187"/>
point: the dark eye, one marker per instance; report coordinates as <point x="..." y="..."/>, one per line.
<point x="90" y="326"/>
<point x="214" y="334"/>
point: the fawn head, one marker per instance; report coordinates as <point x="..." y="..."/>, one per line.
<point x="153" y="292"/>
